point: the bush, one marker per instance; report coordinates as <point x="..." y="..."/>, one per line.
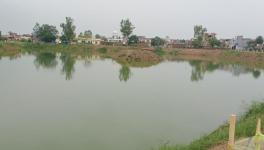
<point x="159" y="51"/>
<point x="102" y="50"/>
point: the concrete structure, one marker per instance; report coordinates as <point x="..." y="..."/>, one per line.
<point x="179" y="43"/>
<point x="144" y="41"/>
<point x="89" y="40"/>
<point x="12" y="36"/>
<point x="115" y="38"/>
<point x="239" y="43"/>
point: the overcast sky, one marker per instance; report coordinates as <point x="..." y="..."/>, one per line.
<point x="174" y="18"/>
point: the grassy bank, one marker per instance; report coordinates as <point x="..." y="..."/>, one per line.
<point x="135" y="54"/>
<point x="246" y="127"/>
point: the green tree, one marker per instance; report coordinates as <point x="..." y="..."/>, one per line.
<point x="199" y="32"/>
<point x="214" y="42"/>
<point x="88" y="33"/>
<point x="81" y="34"/>
<point x="98" y="36"/>
<point x="126" y="28"/>
<point x="0" y="35"/>
<point x="259" y="40"/>
<point x="68" y="30"/>
<point x="133" y="40"/>
<point x="157" y="41"/>
<point x="45" y="33"/>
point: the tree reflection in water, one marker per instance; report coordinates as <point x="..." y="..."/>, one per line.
<point x="200" y="68"/>
<point x="46" y="60"/>
<point x="125" y="73"/>
<point x="68" y="63"/>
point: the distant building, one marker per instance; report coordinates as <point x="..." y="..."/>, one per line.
<point x="12" y="36"/>
<point x="26" y="37"/>
<point x="177" y="43"/>
<point x="115" y="38"/>
<point x="89" y="40"/>
<point x="239" y="43"/>
<point x="206" y="38"/>
<point x="144" y="41"/>
<point x="225" y="43"/>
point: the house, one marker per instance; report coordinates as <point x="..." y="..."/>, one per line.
<point x="239" y="43"/>
<point x="225" y="43"/>
<point x="12" y="36"/>
<point x="144" y="41"/>
<point x="89" y="40"/>
<point x="177" y="43"/>
<point x="26" y="37"/>
<point x="206" y="38"/>
<point x="115" y="38"/>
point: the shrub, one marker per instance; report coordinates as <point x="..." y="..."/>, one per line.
<point x="102" y="50"/>
<point x="159" y="51"/>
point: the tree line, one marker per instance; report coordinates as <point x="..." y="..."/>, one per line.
<point x="49" y="34"/>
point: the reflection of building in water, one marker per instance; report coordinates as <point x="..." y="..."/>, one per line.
<point x="200" y="68"/>
<point x="236" y="69"/>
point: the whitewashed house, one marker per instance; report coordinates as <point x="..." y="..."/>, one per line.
<point x="239" y="43"/>
<point x="116" y="38"/>
<point x="89" y="40"/>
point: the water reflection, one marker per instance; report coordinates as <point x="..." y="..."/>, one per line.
<point x="68" y="62"/>
<point x="46" y="60"/>
<point x="200" y="68"/>
<point x="125" y="73"/>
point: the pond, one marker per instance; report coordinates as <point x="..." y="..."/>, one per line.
<point x="60" y="102"/>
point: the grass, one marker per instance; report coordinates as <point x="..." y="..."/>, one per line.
<point x="102" y="50"/>
<point x="159" y="51"/>
<point x="174" y="52"/>
<point x="245" y="127"/>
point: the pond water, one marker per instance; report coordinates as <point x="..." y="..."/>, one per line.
<point x="58" y="102"/>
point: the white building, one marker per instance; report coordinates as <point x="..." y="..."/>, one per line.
<point x="115" y="38"/>
<point x="239" y="43"/>
<point x="89" y="40"/>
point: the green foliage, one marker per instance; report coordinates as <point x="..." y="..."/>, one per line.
<point x="46" y="60"/>
<point x="197" y="43"/>
<point x="157" y="41"/>
<point x="68" y="30"/>
<point x="132" y="40"/>
<point x="246" y="127"/>
<point x="126" y="27"/>
<point x="256" y="74"/>
<point x="102" y="50"/>
<point x="45" y="33"/>
<point x="97" y="36"/>
<point x="214" y="42"/>
<point x="259" y="40"/>
<point x="251" y="45"/>
<point x="199" y="32"/>
<point x="159" y="51"/>
<point x="0" y="35"/>
<point x="174" y="53"/>
<point x="68" y="62"/>
<point x="124" y="73"/>
<point x="88" y="33"/>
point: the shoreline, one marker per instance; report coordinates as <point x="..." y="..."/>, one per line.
<point x="133" y="55"/>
